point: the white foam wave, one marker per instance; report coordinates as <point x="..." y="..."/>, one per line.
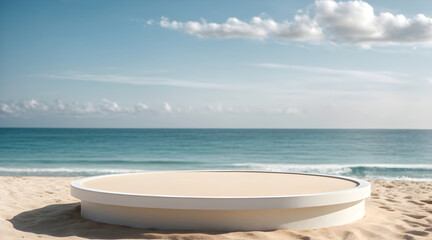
<point x="67" y="171"/>
<point x="401" y="178"/>
<point x="332" y="169"/>
<point x="318" y="168"/>
<point x="343" y="169"/>
<point x="331" y="166"/>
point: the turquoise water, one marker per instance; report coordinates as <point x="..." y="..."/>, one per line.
<point x="376" y="154"/>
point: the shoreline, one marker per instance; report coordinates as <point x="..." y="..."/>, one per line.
<point x="42" y="208"/>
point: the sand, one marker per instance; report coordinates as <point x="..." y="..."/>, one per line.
<point x="42" y="208"/>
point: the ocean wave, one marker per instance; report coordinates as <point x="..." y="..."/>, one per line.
<point x="330" y="166"/>
<point x="401" y="178"/>
<point x="62" y="172"/>
<point x="103" y="162"/>
<point x="318" y="168"/>
<point x="414" y="172"/>
<point x="408" y="172"/>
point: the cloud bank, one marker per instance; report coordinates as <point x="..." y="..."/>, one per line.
<point x="301" y="29"/>
<point x="58" y="107"/>
<point x="108" y="108"/>
<point x="351" y="22"/>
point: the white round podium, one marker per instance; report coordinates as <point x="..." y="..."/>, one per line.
<point x="222" y="200"/>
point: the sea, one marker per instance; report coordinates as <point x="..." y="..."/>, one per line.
<point x="370" y="154"/>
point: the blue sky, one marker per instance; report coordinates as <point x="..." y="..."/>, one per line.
<point x="223" y="64"/>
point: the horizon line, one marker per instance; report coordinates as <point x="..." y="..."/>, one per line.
<point x="214" y="128"/>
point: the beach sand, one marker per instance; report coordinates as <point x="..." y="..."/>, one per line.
<point x="42" y="208"/>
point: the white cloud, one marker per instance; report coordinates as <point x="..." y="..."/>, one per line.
<point x="150" y="22"/>
<point x="140" y="107"/>
<point x="288" y="111"/>
<point x="83" y="109"/>
<point x="157" y="81"/>
<point x="111" y="106"/>
<point x="356" y="22"/>
<point x="383" y="77"/>
<point x="167" y="107"/>
<point x="352" y="22"/>
<point x="219" y="108"/>
<point x="59" y="105"/>
<point x="107" y="107"/>
<point x="18" y="107"/>
<point x="292" y="110"/>
<point x="301" y="29"/>
<point x="34" y="105"/>
<point x="5" y="108"/>
<point x="31" y="104"/>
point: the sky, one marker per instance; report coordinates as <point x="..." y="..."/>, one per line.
<point x="216" y="64"/>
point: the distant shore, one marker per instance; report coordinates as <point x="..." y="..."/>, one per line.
<point x="42" y="208"/>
